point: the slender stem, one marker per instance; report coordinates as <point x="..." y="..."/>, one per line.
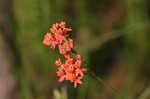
<point x="99" y="79"/>
<point x="145" y="94"/>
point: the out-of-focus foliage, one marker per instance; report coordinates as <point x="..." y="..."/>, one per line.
<point x="112" y="35"/>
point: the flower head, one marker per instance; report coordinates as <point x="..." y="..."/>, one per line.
<point x="58" y="36"/>
<point x="71" y="71"/>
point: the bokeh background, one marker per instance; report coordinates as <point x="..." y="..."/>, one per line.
<point x="112" y="35"/>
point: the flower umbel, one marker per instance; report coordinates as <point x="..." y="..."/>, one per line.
<point x="71" y="69"/>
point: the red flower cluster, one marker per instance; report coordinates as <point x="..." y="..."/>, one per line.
<point x="56" y="37"/>
<point x="71" y="69"/>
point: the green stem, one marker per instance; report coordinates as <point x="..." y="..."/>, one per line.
<point x="117" y="93"/>
<point x="145" y="94"/>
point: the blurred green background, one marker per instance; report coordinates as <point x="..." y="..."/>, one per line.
<point x="112" y="35"/>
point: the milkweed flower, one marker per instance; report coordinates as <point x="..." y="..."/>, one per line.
<point x="71" y="69"/>
<point x="47" y="39"/>
<point x="58" y="36"/>
<point x="66" y="46"/>
<point x="60" y="28"/>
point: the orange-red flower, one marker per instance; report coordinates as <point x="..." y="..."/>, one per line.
<point x="47" y="39"/>
<point x="66" y="46"/>
<point x="71" y="69"/>
<point x="58" y="36"/>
